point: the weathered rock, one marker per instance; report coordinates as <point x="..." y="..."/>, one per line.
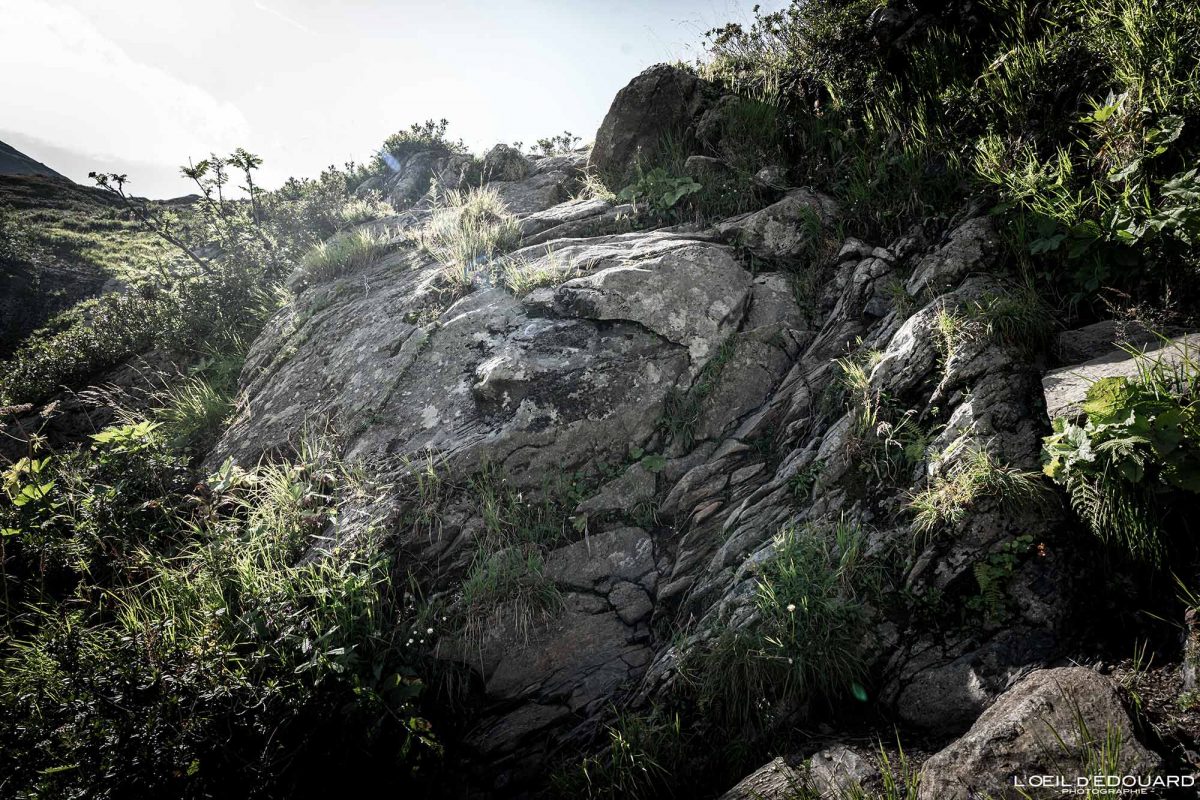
<point x="705" y="168"/>
<point x="837" y="771"/>
<point x="536" y="193"/>
<point x="786" y="229"/>
<point x="624" y="554"/>
<point x="971" y="247"/>
<point x="772" y="176"/>
<point x="1099" y="339"/>
<point x="571" y="211"/>
<point x="504" y="163"/>
<point x="777" y="780"/>
<point x="1067" y="387"/>
<point x="1045" y="725"/>
<point x="662" y="100"/>
<point x="692" y="294"/>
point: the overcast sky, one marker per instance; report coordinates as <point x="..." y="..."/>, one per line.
<point x="139" y="86"/>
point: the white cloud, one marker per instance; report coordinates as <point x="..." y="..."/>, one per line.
<point x="66" y="83"/>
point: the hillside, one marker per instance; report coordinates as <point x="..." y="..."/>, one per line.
<point x="14" y="162"/>
<point x="60" y="243"/>
<point x="826" y="429"/>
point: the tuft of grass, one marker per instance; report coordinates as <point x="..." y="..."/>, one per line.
<point x="467" y="230"/>
<point x="522" y="276"/>
<point x="645" y="756"/>
<point x="683" y="410"/>
<point x="889" y="439"/>
<point x="506" y="590"/>
<point x="592" y="187"/>
<point x="359" y="210"/>
<point x="342" y="254"/>
<point x="806" y="641"/>
<point x="973" y="477"/>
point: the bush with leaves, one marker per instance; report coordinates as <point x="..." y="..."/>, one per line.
<point x="1132" y="465"/>
<point x="200" y="649"/>
<point x="659" y="189"/>
<point x="1046" y="109"/>
<point x="420" y="136"/>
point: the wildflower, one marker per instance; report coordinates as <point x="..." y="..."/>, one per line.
<point x="429" y="631"/>
<point x="791" y="608"/>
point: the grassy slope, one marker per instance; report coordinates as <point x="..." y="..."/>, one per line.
<point x="72" y="239"/>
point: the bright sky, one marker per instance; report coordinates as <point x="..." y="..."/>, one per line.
<point x="139" y="86"/>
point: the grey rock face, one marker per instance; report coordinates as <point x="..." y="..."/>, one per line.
<point x="565" y="378"/>
<point x="1098" y="339"/>
<point x="970" y="248"/>
<point x="1045" y="725"/>
<point x="1067" y="387"/>
<point x="579" y="371"/>
<point x="662" y="100"/>
<point x="785" y="229"/>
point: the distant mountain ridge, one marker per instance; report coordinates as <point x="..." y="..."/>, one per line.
<point x="14" y="162"/>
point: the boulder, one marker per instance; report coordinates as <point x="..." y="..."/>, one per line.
<point x="1098" y="339"/>
<point x="776" y="780"/>
<point x="1053" y="723"/>
<point x="838" y="771"/>
<point x="787" y="229"/>
<point x="663" y="100"/>
<point x="504" y="163"/>
<point x="706" y="168"/>
<point x="1066" y="388"/>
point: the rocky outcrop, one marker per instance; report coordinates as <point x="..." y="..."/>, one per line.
<point x="664" y="100"/>
<point x="693" y="392"/>
<point x="1056" y="722"/>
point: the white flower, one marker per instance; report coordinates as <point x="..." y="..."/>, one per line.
<point x="791" y="608"/>
<point x="429" y="631"/>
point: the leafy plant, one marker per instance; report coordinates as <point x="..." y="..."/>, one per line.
<point x="659" y="189"/>
<point x="1134" y="454"/>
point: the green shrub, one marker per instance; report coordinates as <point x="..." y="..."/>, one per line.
<point x="1131" y="466"/>
<point x="557" y="145"/>
<point x="659" y="189"/>
<point x="420" y="136"/>
<point x="224" y="658"/>
<point x="1045" y="107"/>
